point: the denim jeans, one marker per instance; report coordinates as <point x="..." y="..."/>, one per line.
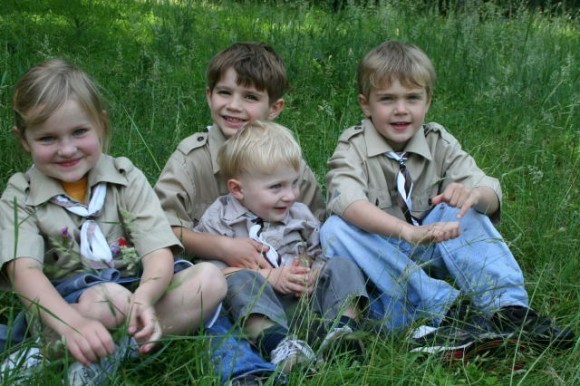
<point x="232" y="355"/>
<point x="410" y="279"/>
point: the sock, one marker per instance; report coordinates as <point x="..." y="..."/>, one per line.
<point x="347" y="321"/>
<point x="270" y="338"/>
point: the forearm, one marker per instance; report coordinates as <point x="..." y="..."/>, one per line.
<point x="368" y="217"/>
<point x="39" y="295"/>
<point x="489" y="202"/>
<point x="157" y="274"/>
<point x="201" y="244"/>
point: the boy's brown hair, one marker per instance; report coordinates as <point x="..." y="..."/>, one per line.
<point x="256" y="64"/>
<point x="391" y="60"/>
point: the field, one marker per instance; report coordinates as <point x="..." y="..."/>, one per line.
<point x="508" y="89"/>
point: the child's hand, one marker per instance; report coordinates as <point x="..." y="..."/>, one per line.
<point x="245" y="253"/>
<point x="144" y="325"/>
<point x="458" y="196"/>
<point x="88" y="340"/>
<point x="290" y="279"/>
<point x="432" y="233"/>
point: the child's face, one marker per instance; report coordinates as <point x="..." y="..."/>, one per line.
<point x="67" y="145"/>
<point x="268" y="196"/>
<point x="396" y="111"/>
<point x="233" y="105"/>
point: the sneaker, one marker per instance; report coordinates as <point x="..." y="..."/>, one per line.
<point x="433" y="340"/>
<point x="21" y="364"/>
<point x="290" y="353"/>
<point x="532" y="327"/>
<point x="96" y="373"/>
<point x="342" y="339"/>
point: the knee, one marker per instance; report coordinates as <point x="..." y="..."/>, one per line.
<point x="207" y="280"/>
<point x="108" y="303"/>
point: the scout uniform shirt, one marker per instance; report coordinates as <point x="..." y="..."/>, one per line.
<point x="360" y="169"/>
<point x="191" y="181"/>
<point x="31" y="228"/>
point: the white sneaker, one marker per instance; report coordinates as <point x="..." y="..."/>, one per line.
<point x="21" y="364"/>
<point x="291" y="352"/>
<point x="96" y="373"/>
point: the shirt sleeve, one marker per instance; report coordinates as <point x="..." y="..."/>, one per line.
<point x="346" y="178"/>
<point x="176" y="189"/>
<point x="19" y="233"/>
<point x="148" y="226"/>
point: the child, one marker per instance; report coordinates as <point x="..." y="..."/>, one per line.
<point x="245" y="82"/>
<point x="411" y="207"/>
<point x="85" y="243"/>
<point x="261" y="166"/>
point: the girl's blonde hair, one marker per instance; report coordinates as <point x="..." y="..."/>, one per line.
<point x="259" y="147"/>
<point x="48" y="86"/>
<point x="395" y="60"/>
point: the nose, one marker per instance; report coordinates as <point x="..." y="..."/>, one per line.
<point x="67" y="148"/>
<point x="400" y="107"/>
<point x="290" y="194"/>
<point x="234" y="102"/>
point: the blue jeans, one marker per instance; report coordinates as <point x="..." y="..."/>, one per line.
<point x="232" y="355"/>
<point x="409" y="279"/>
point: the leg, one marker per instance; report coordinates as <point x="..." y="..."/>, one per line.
<point x="107" y="303"/>
<point x="192" y="297"/>
<point x="404" y="286"/>
<point x="480" y="262"/>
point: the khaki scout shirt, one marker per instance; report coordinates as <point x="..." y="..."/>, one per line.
<point x="38" y="220"/>
<point x="360" y="170"/>
<point x="191" y="180"/>
<point x="297" y="232"/>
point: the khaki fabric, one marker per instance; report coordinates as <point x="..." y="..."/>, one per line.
<point x="360" y="170"/>
<point x="190" y="181"/>
<point x="29" y="222"/>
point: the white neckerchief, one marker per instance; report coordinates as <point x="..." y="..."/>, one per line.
<point x="256" y="234"/>
<point x="94" y="247"/>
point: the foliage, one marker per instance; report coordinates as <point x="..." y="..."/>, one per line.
<point x="507" y="89"/>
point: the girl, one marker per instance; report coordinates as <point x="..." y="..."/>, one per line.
<point x="85" y="243"/>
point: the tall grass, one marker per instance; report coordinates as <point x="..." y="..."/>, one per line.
<point x="507" y="89"/>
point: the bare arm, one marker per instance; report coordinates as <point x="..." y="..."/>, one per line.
<point x="86" y="339"/>
<point x="368" y="217"/>
<point x="157" y="274"/>
<point x="234" y="252"/>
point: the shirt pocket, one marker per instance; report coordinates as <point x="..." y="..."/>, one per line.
<point x="380" y="198"/>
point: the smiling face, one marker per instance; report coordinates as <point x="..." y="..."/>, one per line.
<point x="396" y="111"/>
<point x="233" y="105"/>
<point x="268" y="196"/>
<point x="67" y="145"/>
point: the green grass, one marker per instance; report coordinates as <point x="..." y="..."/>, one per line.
<point x="507" y="89"/>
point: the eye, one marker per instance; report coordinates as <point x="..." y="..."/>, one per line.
<point x="276" y="187"/>
<point x="386" y="98"/>
<point x="80" y="132"/>
<point x="252" y="97"/>
<point x="223" y="92"/>
<point x="415" y="97"/>
<point x="46" y="139"/>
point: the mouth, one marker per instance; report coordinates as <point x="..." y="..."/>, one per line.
<point x="68" y="163"/>
<point x="233" y="120"/>
<point x="399" y="126"/>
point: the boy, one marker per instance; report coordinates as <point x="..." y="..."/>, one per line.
<point x="261" y="165"/>
<point x="411" y="207"/>
<point x="246" y="82"/>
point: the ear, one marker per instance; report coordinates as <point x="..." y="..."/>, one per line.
<point x="235" y="188"/>
<point x="276" y="108"/>
<point x="208" y="96"/>
<point x="21" y="139"/>
<point x="363" y="102"/>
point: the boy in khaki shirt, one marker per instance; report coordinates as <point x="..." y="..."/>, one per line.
<point x="412" y="208"/>
<point x="246" y="82"/>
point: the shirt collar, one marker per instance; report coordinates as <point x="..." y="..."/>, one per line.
<point x="378" y="145"/>
<point x="237" y="211"/>
<point x="216" y="140"/>
<point x="43" y="188"/>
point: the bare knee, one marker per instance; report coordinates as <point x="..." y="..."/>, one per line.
<point x="108" y="303"/>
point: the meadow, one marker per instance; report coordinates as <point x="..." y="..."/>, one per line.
<point x="508" y="89"/>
